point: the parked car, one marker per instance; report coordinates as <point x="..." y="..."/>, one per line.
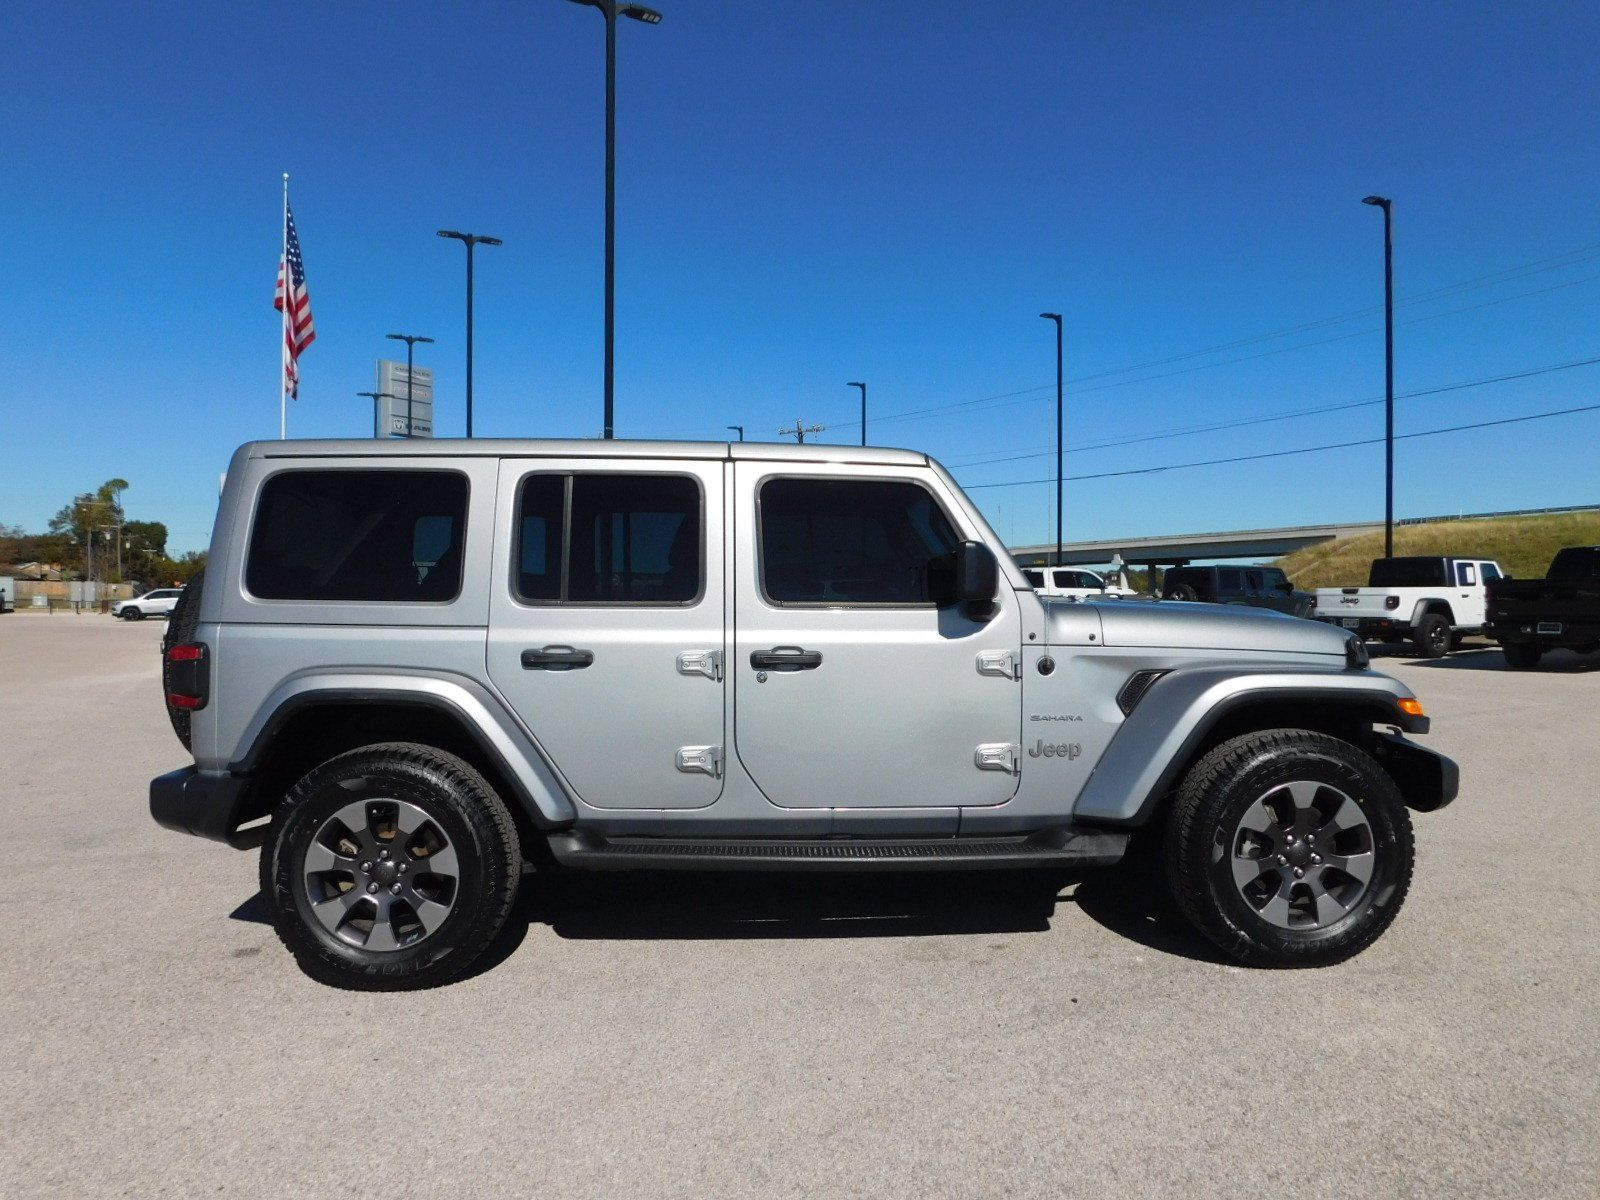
<point x="1529" y="616"/>
<point x="158" y="603"/>
<point x="1074" y="583"/>
<point x="409" y="667"/>
<point x="1432" y="601"/>
<point x="1252" y="587"/>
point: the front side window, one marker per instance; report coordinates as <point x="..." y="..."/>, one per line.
<point x="1034" y="578"/>
<point x="609" y="539"/>
<point x="848" y="541"/>
<point x="1490" y="571"/>
<point x="393" y="536"/>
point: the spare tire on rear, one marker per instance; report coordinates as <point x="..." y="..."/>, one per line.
<point x="181" y="628"/>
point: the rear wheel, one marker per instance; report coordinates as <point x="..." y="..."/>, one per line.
<point x="1183" y="592"/>
<point x="1522" y="656"/>
<point x="1289" y="848"/>
<point x="1432" y="636"/>
<point x="390" y="867"/>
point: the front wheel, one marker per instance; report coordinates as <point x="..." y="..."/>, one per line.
<point x="1289" y="848"/>
<point x="390" y="867"/>
<point x="131" y="614"/>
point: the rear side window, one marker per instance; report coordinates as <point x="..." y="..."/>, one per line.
<point x="848" y="541"/>
<point x="1229" y="580"/>
<point x="359" y="535"/>
<point x="609" y="539"/>
<point x="1466" y="574"/>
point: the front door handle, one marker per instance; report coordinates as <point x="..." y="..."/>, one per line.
<point x="786" y="658"/>
<point x="556" y="658"/>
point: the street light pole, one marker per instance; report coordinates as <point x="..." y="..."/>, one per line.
<point x="611" y="10"/>
<point x="1056" y="317"/>
<point x="1387" y="205"/>
<point x="411" y="340"/>
<point x="863" y="388"/>
<point x="469" y="240"/>
<point x="375" y="397"/>
<point x="740" y="429"/>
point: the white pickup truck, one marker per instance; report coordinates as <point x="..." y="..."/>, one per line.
<point x="1432" y="602"/>
<point x="1076" y="583"/>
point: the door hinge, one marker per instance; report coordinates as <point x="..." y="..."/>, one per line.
<point x="998" y="756"/>
<point x="701" y="662"/>
<point x="1004" y="663"/>
<point x="700" y="760"/>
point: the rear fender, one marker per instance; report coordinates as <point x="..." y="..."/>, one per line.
<point x="495" y="732"/>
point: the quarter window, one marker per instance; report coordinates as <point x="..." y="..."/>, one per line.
<point x="847" y="541"/>
<point x="391" y="536"/>
<point x="609" y="539"/>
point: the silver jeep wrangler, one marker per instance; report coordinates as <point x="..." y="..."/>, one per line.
<point x="411" y="668"/>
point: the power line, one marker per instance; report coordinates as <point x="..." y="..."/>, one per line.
<point x="1213" y="462"/>
<point x="1192" y="430"/>
<point x="1029" y="393"/>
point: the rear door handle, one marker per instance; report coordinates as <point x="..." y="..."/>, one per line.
<point x="556" y="658"/>
<point x="785" y="658"/>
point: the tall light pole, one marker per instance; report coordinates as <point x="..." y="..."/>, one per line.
<point x="863" y="388"/>
<point x="411" y="340"/>
<point x="1056" y="317"/>
<point x="739" y="428"/>
<point x="469" y="240"/>
<point x="375" y="397"/>
<point x="611" y="10"/>
<point x="1387" y="205"/>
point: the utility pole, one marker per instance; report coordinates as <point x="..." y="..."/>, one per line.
<point x="1387" y="205"/>
<point x="1060" y="424"/>
<point x="798" y="433"/>
<point x="863" y="388"/>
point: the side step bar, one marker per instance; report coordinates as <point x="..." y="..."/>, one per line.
<point x="1042" y="848"/>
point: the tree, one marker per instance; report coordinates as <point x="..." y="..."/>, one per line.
<point x="87" y="520"/>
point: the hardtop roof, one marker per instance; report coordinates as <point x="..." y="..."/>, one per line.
<point x="582" y="448"/>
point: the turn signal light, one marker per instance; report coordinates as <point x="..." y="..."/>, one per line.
<point x="1411" y="706"/>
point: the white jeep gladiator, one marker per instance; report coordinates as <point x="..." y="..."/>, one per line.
<point x="1432" y="602"/>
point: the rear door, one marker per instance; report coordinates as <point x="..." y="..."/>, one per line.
<point x="853" y="689"/>
<point x="607" y="624"/>
<point x="1468" y="603"/>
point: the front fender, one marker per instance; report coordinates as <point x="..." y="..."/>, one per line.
<point x="1158" y="740"/>
<point x="484" y="718"/>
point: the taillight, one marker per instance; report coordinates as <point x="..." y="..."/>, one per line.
<point x="188" y="676"/>
<point x="1391" y="602"/>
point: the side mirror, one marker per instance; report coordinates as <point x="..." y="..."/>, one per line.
<point x="977" y="575"/>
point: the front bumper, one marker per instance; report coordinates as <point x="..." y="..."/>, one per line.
<point x="1427" y="779"/>
<point x="192" y="801"/>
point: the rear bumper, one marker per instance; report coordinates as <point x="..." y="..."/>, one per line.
<point x="1369" y="627"/>
<point x="191" y="801"/>
<point x="1427" y="779"/>
<point x="1545" y="633"/>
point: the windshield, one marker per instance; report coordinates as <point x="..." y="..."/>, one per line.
<point x="1408" y="572"/>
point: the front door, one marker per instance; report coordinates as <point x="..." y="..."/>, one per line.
<point x="607" y="625"/>
<point x="853" y="689"/>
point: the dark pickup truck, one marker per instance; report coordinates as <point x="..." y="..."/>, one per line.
<point x="1529" y="616"/>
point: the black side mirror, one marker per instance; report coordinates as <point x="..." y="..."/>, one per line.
<point x="977" y="575"/>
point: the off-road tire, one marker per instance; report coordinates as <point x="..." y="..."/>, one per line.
<point x="1183" y="591"/>
<point x="1432" y="637"/>
<point x="1522" y="656"/>
<point x="181" y="625"/>
<point x="1213" y="798"/>
<point x="464" y="806"/>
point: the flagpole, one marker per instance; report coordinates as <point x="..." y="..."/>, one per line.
<point x="283" y="339"/>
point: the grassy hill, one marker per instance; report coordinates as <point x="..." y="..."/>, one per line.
<point x="1523" y="546"/>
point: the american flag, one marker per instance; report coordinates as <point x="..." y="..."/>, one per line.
<point x="298" y="330"/>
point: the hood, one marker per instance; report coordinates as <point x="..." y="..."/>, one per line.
<point x="1187" y="626"/>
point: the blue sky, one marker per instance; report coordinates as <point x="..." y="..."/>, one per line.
<point x="808" y="194"/>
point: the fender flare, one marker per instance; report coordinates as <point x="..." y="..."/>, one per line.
<point x="1431" y="605"/>
<point x="480" y="713"/>
<point x="1151" y="749"/>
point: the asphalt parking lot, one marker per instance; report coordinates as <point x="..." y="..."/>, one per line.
<point x="706" y="1035"/>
